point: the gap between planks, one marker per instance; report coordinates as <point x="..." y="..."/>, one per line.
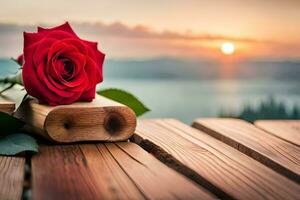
<point x="211" y="162"/>
<point x="268" y="149"/>
<point x="288" y="130"/>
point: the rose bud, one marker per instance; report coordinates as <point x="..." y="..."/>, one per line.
<point x="59" y="67"/>
<point x="20" y="59"/>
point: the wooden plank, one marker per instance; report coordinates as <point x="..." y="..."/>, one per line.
<point x="11" y="177"/>
<point x="107" y="171"/>
<point x="213" y="164"/>
<point x="152" y="177"/>
<point x="6" y="105"/>
<point x="272" y="151"/>
<point x="288" y="130"/>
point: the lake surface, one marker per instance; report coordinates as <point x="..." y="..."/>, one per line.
<point x="174" y="89"/>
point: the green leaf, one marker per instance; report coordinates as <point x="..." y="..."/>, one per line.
<point x="18" y="142"/>
<point x="125" y="98"/>
<point x="9" y="124"/>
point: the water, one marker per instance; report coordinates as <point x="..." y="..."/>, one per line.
<point x="187" y="97"/>
<point x="187" y="100"/>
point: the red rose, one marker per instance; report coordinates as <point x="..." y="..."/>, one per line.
<point x="59" y="67"/>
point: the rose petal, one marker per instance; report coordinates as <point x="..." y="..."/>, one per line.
<point x="92" y="45"/>
<point x="97" y="56"/>
<point x="20" y="59"/>
<point x="100" y="60"/>
<point x="64" y="27"/>
<point x="69" y="100"/>
<point x="93" y="72"/>
<point x="44" y="79"/>
<point x="33" y="85"/>
<point x="79" y="61"/>
<point x="88" y="95"/>
<point x="81" y="47"/>
<point x="60" y="35"/>
<point x="81" y="80"/>
<point x="56" y="69"/>
<point x="75" y="57"/>
<point x="31" y="38"/>
<point x="40" y="55"/>
<point x="71" y="45"/>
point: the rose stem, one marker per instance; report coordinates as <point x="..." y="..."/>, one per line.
<point x="13" y="79"/>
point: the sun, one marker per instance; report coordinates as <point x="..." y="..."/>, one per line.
<point x="227" y="48"/>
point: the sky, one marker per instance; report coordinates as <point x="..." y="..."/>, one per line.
<point x="268" y="29"/>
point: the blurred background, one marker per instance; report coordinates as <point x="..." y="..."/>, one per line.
<point x="183" y="58"/>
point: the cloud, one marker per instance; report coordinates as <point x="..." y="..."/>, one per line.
<point x="120" y="40"/>
<point x="140" y="31"/>
<point x="120" y="29"/>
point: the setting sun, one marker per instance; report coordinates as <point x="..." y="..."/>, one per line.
<point x="227" y="48"/>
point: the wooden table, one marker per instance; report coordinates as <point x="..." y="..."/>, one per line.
<point x="166" y="159"/>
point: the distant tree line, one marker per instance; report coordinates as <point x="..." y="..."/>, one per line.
<point x="268" y="109"/>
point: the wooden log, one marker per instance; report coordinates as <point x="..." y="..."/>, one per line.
<point x="99" y="120"/>
<point x="107" y="171"/>
<point x="220" y="168"/>
<point x="288" y="130"/>
<point x="270" y="150"/>
<point x="11" y="177"/>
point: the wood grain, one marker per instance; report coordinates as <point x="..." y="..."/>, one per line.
<point x="14" y="96"/>
<point x="213" y="164"/>
<point x="107" y="171"/>
<point x="99" y="120"/>
<point x="11" y="177"/>
<point x="6" y="105"/>
<point x="272" y="151"/>
<point x="288" y="130"/>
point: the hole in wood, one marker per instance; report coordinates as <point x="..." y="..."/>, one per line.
<point x="114" y="123"/>
<point x="67" y="125"/>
